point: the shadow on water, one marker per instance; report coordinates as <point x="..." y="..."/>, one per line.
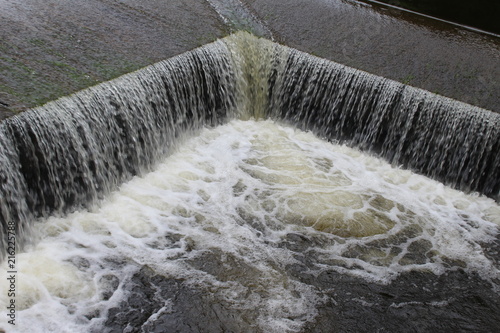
<point x="481" y="14"/>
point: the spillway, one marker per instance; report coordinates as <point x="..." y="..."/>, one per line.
<point x="219" y="168"/>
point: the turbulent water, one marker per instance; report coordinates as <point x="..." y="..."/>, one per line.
<point x="230" y="222"/>
<point x="238" y="191"/>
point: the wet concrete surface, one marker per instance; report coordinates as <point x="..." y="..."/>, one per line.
<point x="408" y="48"/>
<point x="51" y="48"/>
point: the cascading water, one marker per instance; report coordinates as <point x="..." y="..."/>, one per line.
<point x="444" y="139"/>
<point x="70" y="152"/>
<point x="241" y="227"/>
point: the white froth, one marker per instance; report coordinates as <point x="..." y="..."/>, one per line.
<point x="238" y="190"/>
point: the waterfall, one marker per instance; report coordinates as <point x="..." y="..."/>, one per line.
<point x="450" y="141"/>
<point x="68" y="153"/>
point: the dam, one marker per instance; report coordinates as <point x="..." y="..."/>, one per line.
<point x="238" y="175"/>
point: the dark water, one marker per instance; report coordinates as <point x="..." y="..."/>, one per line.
<point x="398" y="246"/>
<point x="481" y="14"/>
<point x="421" y="131"/>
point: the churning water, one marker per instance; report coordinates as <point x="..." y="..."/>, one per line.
<point x="215" y="216"/>
<point x="238" y="190"/>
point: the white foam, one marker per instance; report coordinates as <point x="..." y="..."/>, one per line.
<point x="239" y="189"/>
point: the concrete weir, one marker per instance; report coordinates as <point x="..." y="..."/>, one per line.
<point x="248" y="186"/>
<point x="71" y="154"/>
<point x="108" y="133"/>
